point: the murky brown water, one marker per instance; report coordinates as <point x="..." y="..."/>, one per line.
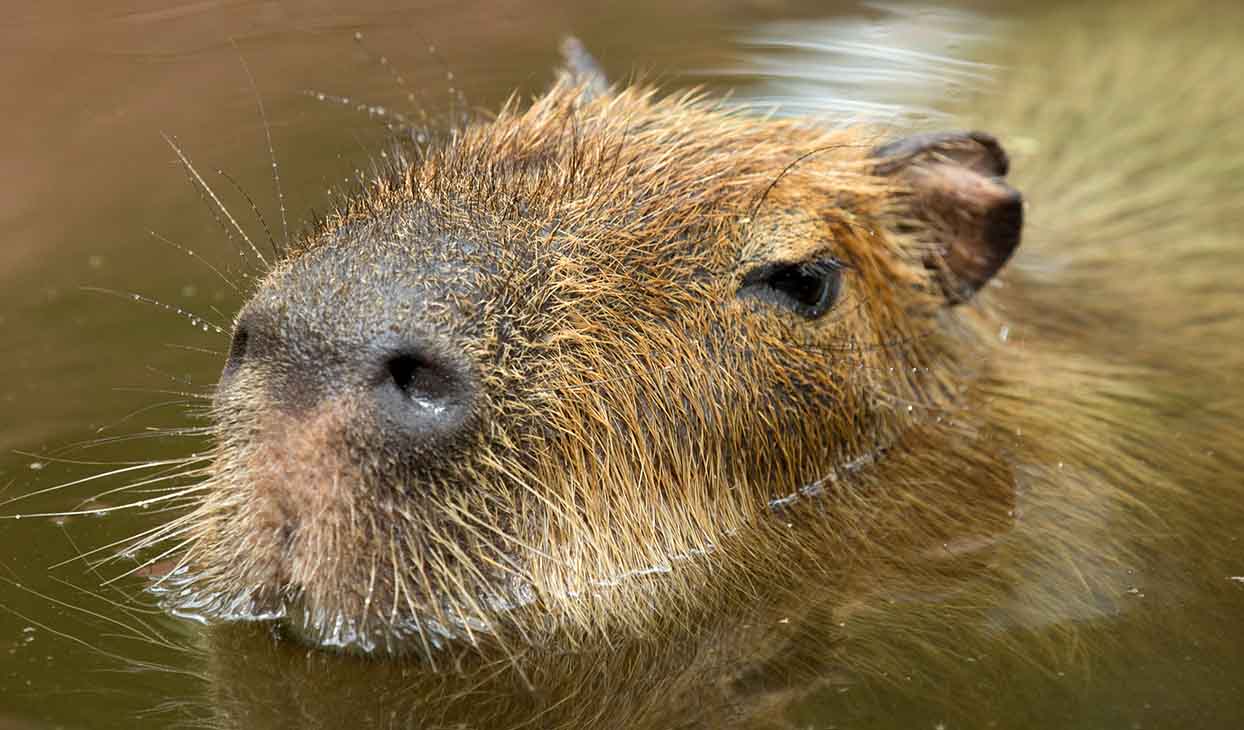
<point x="91" y="196"/>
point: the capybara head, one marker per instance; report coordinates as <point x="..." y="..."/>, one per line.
<point x="552" y="365"/>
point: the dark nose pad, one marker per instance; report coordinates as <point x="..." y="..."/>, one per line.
<point x="413" y="391"/>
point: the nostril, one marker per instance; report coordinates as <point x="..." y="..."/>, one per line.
<point x="237" y="349"/>
<point x="423" y="398"/>
<point x="421" y="379"/>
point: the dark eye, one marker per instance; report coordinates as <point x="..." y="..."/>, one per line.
<point x="808" y="289"/>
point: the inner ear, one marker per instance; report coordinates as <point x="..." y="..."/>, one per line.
<point x="956" y="192"/>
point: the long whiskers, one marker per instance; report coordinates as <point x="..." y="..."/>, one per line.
<point x="219" y="206"/>
<point x="133" y="543"/>
<point x="198" y="321"/>
<point x="276" y="169"/>
<point x="140" y="504"/>
<point x="263" y="223"/>
<point x="95" y="477"/>
<point x="194" y="255"/>
<point x="152" y="433"/>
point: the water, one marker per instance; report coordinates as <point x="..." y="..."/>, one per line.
<point x="118" y="289"/>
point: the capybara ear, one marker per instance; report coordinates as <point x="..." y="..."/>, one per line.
<point x="959" y="204"/>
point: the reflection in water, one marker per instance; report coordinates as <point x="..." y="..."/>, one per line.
<point x="859" y="652"/>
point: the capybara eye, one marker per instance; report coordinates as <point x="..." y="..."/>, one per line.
<point x="808" y="289"/>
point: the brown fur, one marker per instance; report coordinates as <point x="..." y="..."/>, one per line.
<point x="638" y="417"/>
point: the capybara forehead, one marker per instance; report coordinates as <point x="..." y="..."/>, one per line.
<point x="624" y="181"/>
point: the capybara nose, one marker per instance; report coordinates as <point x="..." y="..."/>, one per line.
<point x="408" y="390"/>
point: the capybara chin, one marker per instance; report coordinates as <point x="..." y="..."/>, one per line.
<point x="613" y="357"/>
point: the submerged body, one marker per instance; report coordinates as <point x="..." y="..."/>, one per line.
<point x="603" y="367"/>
